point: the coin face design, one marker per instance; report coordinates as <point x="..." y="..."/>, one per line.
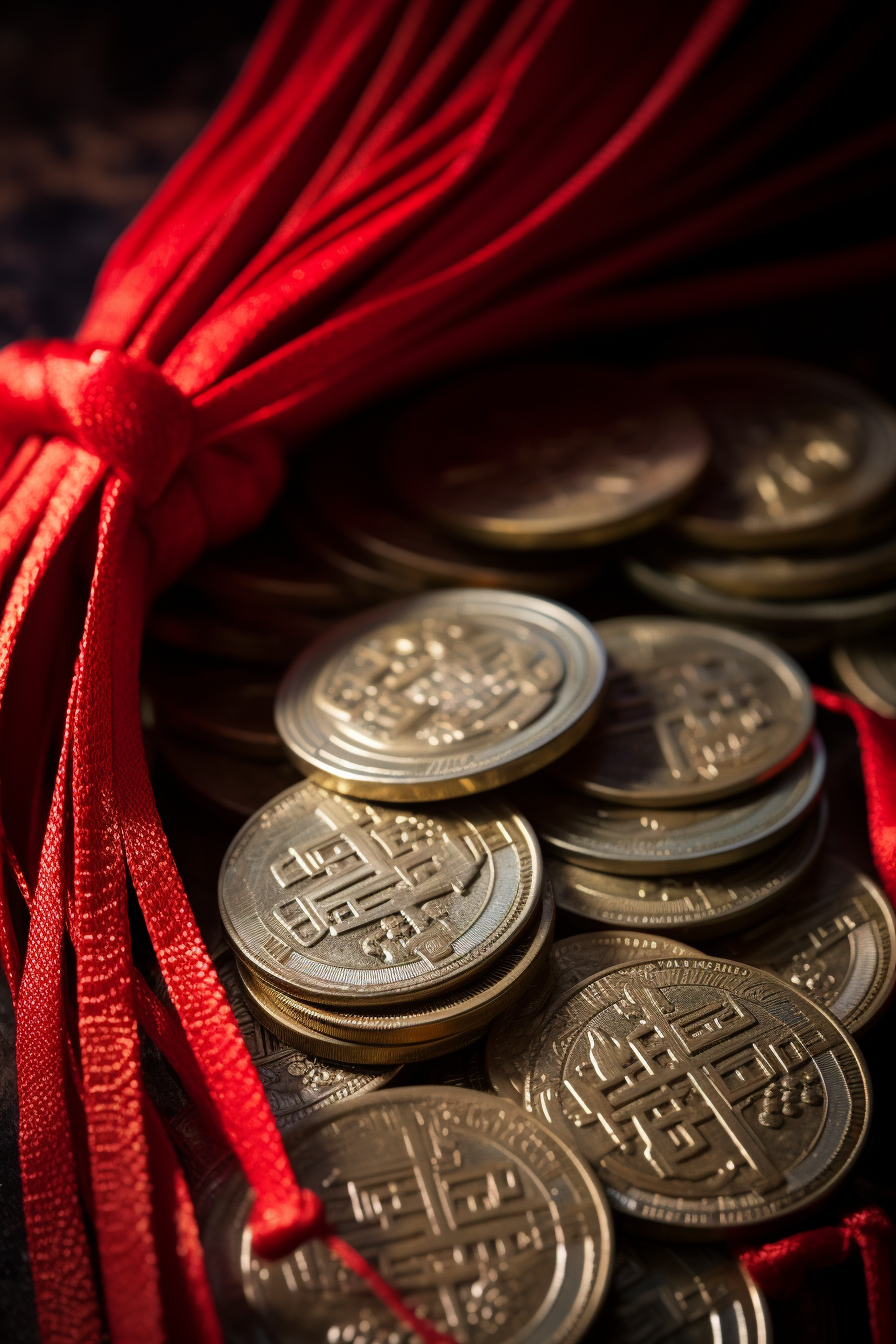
<point x="867" y="669"/>
<point x="331" y="899"/>
<point x="692" y="712"/>
<point x="441" y="695"/>
<point x="547" y="456"/>
<point x="646" y="841"/>
<point x="835" y="943"/>
<point x="707" y="1095"/>
<point x="475" y="1212"/>
<point x="796" y="450"/>
<point x="693" y="903"/>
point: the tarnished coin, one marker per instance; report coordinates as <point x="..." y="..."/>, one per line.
<point x="681" y="1294"/>
<point x="476" y="1213"/>
<point x="707" y="1095"/>
<point x="441" y="695"/>
<point x="835" y="942"/>
<point x="647" y="841"/>
<point x="799" y="453"/>
<point x="697" y="904"/>
<point x="572" y="959"/>
<point x="867" y="669"/>
<point x="340" y="901"/>
<point x="229" y="785"/>
<point x="692" y="712"/>
<point x="231" y="708"/>
<point x="547" y="455"/>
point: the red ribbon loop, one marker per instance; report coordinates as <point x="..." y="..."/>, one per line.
<point x="117" y="406"/>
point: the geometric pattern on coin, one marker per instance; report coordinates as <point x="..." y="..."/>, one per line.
<point x="692" y="712"/>
<point x="472" y="1210"/>
<point x="333" y="899"/>
<point x="708" y="1096"/>
<point x="547" y="455"/>
<point x="695" y="904"/>
<point x="441" y="695"/>
<point x="867" y="669"/>
<point x="835" y="942"/>
<point x="681" y="1294"/>
<point x="799" y="453"/>
<point x="646" y="841"/>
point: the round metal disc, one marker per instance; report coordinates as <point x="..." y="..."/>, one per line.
<point x="868" y="671"/>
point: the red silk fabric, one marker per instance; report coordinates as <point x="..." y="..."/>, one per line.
<point x="392" y="186"/>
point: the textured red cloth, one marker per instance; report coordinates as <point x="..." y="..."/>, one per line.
<point x="391" y="186"/>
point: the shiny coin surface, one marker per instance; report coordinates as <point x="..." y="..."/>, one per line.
<point x="229" y="785"/>
<point x="835" y="942"/>
<point x="572" y="959"/>
<point x="868" y="671"/>
<point x="707" y="1095"/>
<point x="231" y="708"/>
<point x="798" y="453"/>
<point x="682" y="1295"/>
<point x="646" y="841"/>
<point x="341" y="901"/>
<point x="442" y="695"/>
<point x="474" y="1212"/>
<point x="692" y="712"/>
<point x="696" y="904"/>
<point x="547" y="455"/>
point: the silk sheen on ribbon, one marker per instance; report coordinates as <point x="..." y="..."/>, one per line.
<point x="391" y="186"/>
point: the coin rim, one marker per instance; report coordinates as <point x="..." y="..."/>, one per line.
<point x="851" y="679"/>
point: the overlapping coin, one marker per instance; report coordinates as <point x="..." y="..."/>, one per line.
<point x="485" y="1220"/>
<point x="867" y="669"/>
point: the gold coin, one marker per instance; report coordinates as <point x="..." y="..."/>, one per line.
<point x="180" y="620"/>
<point x="228" y="785"/>
<point x="710" y="1097"/>
<point x="487" y="1224"/>
<point x="231" y="708"/>
<point x="546" y="455"/>
<point x="343" y="902"/>
<point x="472" y="1005"/>
<point x="835" y="942"/>
<point x="867" y="669"/>
<point x="692" y="712"/>
<point x="800" y="455"/>
<point x="441" y="695"/>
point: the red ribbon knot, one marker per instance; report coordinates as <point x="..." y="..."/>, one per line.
<point x="121" y="408"/>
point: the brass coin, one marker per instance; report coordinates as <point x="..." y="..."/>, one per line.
<point x="473" y="1005"/>
<point x="231" y="708"/>
<point x="346" y="902"/>
<point x="646" y="841"/>
<point x="441" y="695"/>
<point x="697" y="904"/>
<point x="485" y="1223"/>
<point x="708" y="1096"/>
<point x="682" y="1294"/>
<point x="867" y="669"/>
<point x="798" y="453"/>
<point x="460" y="1068"/>
<point x="228" y="785"/>
<point x="835" y="942"/>
<point x="692" y="713"/>
<point x="546" y="455"/>
<point x="572" y="960"/>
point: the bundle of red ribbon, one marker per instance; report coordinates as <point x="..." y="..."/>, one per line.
<point x="390" y="187"/>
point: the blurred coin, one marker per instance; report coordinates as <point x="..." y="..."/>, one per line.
<point x="799" y="454"/>
<point x="835" y="942"/>
<point x="692" y="713"/>
<point x="231" y="786"/>
<point x="231" y="708"/>
<point x="346" y="902"/>
<point x="649" y="841"/>
<point x="441" y="695"/>
<point x="179" y="619"/>
<point x="546" y="455"/>
<point x="572" y="959"/>
<point x="698" y="904"/>
<point x="709" y="1097"/>
<point x="482" y="1220"/>
<point x="867" y="669"/>
<point x="459" y="1068"/>
<point x="682" y="1294"/>
<point x="366" y="582"/>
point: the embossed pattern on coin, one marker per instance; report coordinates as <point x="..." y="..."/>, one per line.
<point x="835" y="942"/>
<point x="707" y="1095"/>
<point x="868" y="671"/>
<point x="692" y="712"/>
<point x="547" y="455"/>
<point x="336" y="900"/>
<point x="697" y="903"/>
<point x="473" y="1211"/>
<point x="648" y="841"/>
<point x="441" y="695"/>
<point x="797" y="452"/>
